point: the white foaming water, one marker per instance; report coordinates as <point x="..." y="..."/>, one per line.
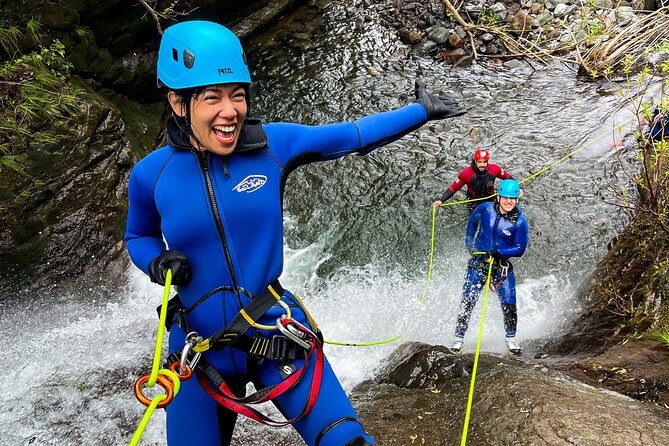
<point x="70" y="376"/>
<point x="69" y="379"/>
<point x="370" y="304"/>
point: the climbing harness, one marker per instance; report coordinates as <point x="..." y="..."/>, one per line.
<point x="214" y="384"/>
<point x="295" y="341"/>
<point x="499" y="265"/>
<point x="503" y="265"/>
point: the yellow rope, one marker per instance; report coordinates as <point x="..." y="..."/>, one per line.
<point x="572" y="153"/>
<point x="145" y="419"/>
<point x="155" y="368"/>
<point x="365" y="344"/>
<point x="429" y="268"/>
<point x="161" y="329"/>
<point x="476" y="356"/>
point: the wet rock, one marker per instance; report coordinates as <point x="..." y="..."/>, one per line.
<point x="453" y="55"/>
<point x="410" y="36"/>
<point x="440" y="35"/>
<point x="553" y="34"/>
<point x="455" y="40"/>
<point x="563" y="10"/>
<point x="69" y="222"/>
<point x="514" y="63"/>
<point x="624" y="15"/>
<point x="487" y="37"/>
<point x="420" y="396"/>
<point x="536" y="8"/>
<point x="500" y="11"/>
<point x="523" y="22"/>
<point x="603" y="4"/>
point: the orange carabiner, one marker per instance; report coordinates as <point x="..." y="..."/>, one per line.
<point x="164" y="382"/>
<point x="187" y="371"/>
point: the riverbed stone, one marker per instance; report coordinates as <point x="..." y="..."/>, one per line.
<point x="440" y="35"/>
<point x="420" y="396"/>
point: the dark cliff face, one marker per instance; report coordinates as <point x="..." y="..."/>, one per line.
<point x="114" y="42"/>
<point x="63" y="213"/>
<point x="63" y="201"/>
<point x="628" y="293"/>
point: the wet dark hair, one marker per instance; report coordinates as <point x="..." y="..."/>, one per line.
<point x="184" y="97"/>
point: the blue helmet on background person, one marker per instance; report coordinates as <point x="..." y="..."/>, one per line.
<point x="509" y="188"/>
<point x="198" y="53"/>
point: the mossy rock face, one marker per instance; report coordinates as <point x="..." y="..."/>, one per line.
<point x="65" y="215"/>
<point x="627" y="294"/>
<point x="661" y="300"/>
<point x="82" y="54"/>
<point x="57" y="15"/>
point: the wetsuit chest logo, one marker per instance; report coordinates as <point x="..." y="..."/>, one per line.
<point x="251" y="183"/>
<point x="506" y="232"/>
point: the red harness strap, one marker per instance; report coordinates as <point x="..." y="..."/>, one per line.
<point x="504" y="272"/>
<point x="207" y="375"/>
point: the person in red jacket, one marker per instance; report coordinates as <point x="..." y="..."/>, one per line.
<point x="479" y="178"/>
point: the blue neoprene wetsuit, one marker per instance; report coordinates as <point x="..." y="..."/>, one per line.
<point x="225" y="214"/>
<point x="487" y="230"/>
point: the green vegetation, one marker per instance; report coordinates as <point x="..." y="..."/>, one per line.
<point x="35" y="97"/>
<point x="663" y="337"/>
<point x="34" y="29"/>
<point x="9" y="39"/>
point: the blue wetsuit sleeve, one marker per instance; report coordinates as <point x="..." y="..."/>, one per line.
<point x="520" y="237"/>
<point x="302" y="144"/>
<point x="472" y="224"/>
<point x="143" y="236"/>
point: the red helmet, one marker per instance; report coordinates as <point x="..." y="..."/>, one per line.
<point x="481" y="155"/>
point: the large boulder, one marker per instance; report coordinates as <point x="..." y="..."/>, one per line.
<point x="420" y="397"/>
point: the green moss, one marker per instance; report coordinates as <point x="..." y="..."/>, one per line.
<point x="21" y="264"/>
<point x="142" y="122"/>
<point x="27" y="231"/>
<point x="53" y="216"/>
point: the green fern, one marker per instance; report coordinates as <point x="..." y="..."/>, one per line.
<point x="9" y="39"/>
<point x="34" y="29"/>
<point x="663" y="337"/>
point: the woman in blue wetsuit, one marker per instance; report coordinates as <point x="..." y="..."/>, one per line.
<point x="498" y="229"/>
<point x="213" y="193"/>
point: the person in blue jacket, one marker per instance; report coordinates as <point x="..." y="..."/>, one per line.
<point x="207" y="206"/>
<point x="498" y="230"/>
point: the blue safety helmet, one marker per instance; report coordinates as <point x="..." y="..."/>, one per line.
<point x="199" y="53"/>
<point x="509" y="188"/>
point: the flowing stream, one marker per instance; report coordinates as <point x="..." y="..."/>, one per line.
<point x="358" y="229"/>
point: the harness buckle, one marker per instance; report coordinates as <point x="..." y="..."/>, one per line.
<point x="279" y="348"/>
<point x="295" y="331"/>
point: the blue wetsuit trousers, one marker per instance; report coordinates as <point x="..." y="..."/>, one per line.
<point x="475" y="279"/>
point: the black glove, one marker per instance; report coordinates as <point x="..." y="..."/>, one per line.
<point x="438" y="107"/>
<point x="172" y="259"/>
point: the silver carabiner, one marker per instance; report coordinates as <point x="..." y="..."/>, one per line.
<point x="192" y="339"/>
<point x="292" y="333"/>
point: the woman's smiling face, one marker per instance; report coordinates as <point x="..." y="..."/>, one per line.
<point x="216" y="116"/>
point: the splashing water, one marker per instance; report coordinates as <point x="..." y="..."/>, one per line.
<point x="357" y="232"/>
